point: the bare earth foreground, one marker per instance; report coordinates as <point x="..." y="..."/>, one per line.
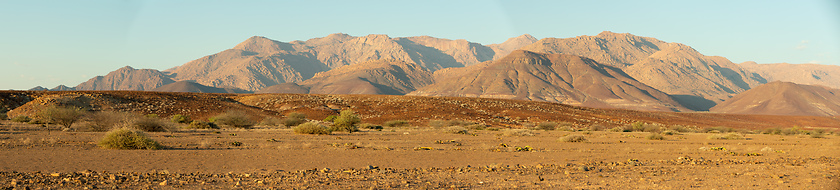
<point x="416" y="158"/>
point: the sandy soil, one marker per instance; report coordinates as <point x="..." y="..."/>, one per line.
<point x="397" y="158"/>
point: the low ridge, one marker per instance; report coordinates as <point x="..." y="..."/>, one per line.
<point x="784" y="98"/>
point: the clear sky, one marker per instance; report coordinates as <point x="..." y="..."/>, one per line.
<point x="48" y="43"/>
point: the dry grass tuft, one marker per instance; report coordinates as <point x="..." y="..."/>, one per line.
<point x="313" y="128"/>
<point x="572" y="138"/>
<point x="518" y="132"/>
<point x="125" y="138"/>
<point x="728" y="136"/>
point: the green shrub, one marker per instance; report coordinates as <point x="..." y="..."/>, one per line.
<point x="330" y="118"/>
<point x="178" y="118"/>
<point x="655" y="136"/>
<point x="150" y="124"/>
<point x="572" y="138"/>
<point x="728" y="136"/>
<point x="311" y="128"/>
<point x="21" y="118"/>
<point x="346" y="121"/>
<point x="64" y="116"/>
<point x="236" y="119"/>
<point x="396" y="123"/>
<point x="547" y="126"/>
<point x="124" y="138"/>
<point x="196" y="124"/>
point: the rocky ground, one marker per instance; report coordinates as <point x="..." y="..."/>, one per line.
<point x="416" y="158"/>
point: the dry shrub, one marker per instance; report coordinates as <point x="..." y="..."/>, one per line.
<point x="312" y="128"/>
<point x="595" y="127"/>
<point x="728" y="136"/>
<point x="517" y="132"/>
<point x="125" y="138"/>
<point x="21" y="119"/>
<point x="682" y="129"/>
<point x="448" y="123"/>
<point x="271" y="121"/>
<point x="719" y="130"/>
<point x="547" y="126"/>
<point x="572" y="138"/>
<point x="294" y="119"/>
<point x="396" y="123"/>
<point x="655" y="136"/>
<point x="64" y="116"/>
<point x="196" y="124"/>
<point x="3" y="116"/>
<point x="670" y="132"/>
<point x="150" y="124"/>
<point x="106" y="120"/>
<point x="236" y="119"/>
<point x="370" y="126"/>
<point x="456" y="130"/>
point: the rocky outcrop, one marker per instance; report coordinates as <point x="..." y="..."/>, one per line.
<point x="374" y="77"/>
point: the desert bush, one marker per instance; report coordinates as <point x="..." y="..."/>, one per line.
<point x="655" y="136"/>
<point x="517" y="132"/>
<point x="4" y="116"/>
<point x="330" y="118"/>
<point x="196" y="124"/>
<point x="311" y="128"/>
<point x="728" y="136"/>
<point x="106" y="120"/>
<point x="595" y="127"/>
<point x="682" y="129"/>
<point x="236" y="119"/>
<point x="670" y="132"/>
<point x="456" y="130"/>
<point x="546" y="126"/>
<point x="178" y="118"/>
<point x="346" y="121"/>
<point x="572" y="138"/>
<point x="772" y="131"/>
<point x="125" y="138"/>
<point x="21" y="118"/>
<point x="271" y="121"/>
<point x="370" y="126"/>
<point x="617" y="129"/>
<point x="150" y="124"/>
<point x="448" y="123"/>
<point x="719" y="130"/>
<point x="396" y="123"/>
<point x="294" y="119"/>
<point x="476" y="127"/>
<point x="817" y="133"/>
<point x="64" y="116"/>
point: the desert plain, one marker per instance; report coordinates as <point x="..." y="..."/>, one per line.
<point x="500" y="148"/>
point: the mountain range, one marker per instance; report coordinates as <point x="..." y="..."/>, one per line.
<point x="614" y="70"/>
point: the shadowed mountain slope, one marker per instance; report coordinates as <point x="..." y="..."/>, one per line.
<point x="673" y="68"/>
<point x="188" y="86"/>
<point x="784" y="98"/>
<point x="285" y="88"/>
<point x="563" y="78"/>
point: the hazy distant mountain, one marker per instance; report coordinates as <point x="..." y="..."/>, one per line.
<point x="511" y="44"/>
<point x="563" y="78"/>
<point x="38" y="88"/>
<point x="374" y="77"/>
<point x="673" y="68"/>
<point x="784" y="98"/>
<point x="127" y="78"/>
<point x="189" y="86"/>
<point x="62" y="88"/>
<point x="811" y="74"/>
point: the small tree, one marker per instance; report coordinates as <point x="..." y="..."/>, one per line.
<point x="346" y="121"/>
<point x="64" y="116"/>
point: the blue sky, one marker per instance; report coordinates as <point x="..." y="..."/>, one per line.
<point x="48" y="43"/>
